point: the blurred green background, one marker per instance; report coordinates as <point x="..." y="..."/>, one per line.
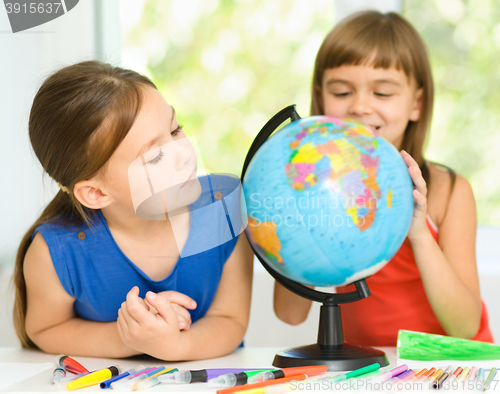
<point x="227" y="66"/>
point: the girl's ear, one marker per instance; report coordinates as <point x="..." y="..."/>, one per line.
<point x="91" y="194"/>
<point x="417" y="105"/>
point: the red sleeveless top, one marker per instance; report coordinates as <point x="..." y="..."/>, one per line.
<point x="398" y="301"/>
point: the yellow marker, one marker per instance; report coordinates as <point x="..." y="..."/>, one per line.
<point x="94" y="378"/>
<point x="145" y="383"/>
<point x="435" y="376"/>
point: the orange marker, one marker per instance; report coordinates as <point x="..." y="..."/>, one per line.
<point x="427" y="374"/>
<point x="246" y="387"/>
<point x="435" y="376"/>
<point x="419" y="374"/>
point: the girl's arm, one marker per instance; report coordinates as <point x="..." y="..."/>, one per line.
<point x="448" y="269"/>
<point x="290" y="307"/>
<point x="218" y="333"/>
<point x="50" y="318"/>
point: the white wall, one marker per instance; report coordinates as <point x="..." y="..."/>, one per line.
<point x="28" y="57"/>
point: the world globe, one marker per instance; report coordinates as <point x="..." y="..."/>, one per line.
<point x="328" y="201"/>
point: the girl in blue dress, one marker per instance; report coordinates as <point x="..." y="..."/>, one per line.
<point x="135" y="254"/>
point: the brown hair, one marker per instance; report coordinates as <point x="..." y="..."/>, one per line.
<point x="392" y="41"/>
<point x="79" y="116"/>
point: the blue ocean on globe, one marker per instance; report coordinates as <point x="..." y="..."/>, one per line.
<point x="328" y="201"/>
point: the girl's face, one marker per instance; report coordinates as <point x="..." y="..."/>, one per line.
<point x="155" y="165"/>
<point x="385" y="99"/>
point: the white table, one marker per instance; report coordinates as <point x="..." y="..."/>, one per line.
<point x="241" y="358"/>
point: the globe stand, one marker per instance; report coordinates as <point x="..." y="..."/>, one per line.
<point x="330" y="349"/>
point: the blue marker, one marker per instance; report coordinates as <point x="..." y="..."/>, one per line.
<point x="107" y="383"/>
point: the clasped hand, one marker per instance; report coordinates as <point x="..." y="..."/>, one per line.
<point x="144" y="324"/>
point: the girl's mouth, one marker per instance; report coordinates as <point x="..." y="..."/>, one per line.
<point x="191" y="177"/>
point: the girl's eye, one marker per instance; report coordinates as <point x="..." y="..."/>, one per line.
<point x="177" y="130"/>
<point x="343" y="94"/>
<point x="157" y="158"/>
<point x="383" y="94"/>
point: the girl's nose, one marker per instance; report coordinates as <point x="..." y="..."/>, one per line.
<point x="182" y="153"/>
<point x="360" y="105"/>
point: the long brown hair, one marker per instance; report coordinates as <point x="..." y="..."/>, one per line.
<point x="79" y="116"/>
<point x="393" y="41"/>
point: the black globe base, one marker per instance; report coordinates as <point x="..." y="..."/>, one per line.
<point x="344" y="357"/>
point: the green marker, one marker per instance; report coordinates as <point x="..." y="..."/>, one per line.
<point x="356" y="372"/>
<point x="232" y="379"/>
<point x="488" y="380"/>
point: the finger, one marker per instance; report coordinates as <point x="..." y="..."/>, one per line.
<point x="144" y="304"/>
<point x="421" y="201"/>
<point x="418" y="180"/>
<point x="184" y="321"/>
<point x="182" y="312"/>
<point x="135" y="308"/>
<point x="179" y="298"/>
<point x="164" y="308"/>
<point x="121" y="321"/>
<point x="125" y="314"/>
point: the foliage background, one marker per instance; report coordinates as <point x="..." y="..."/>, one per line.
<point x="229" y="65"/>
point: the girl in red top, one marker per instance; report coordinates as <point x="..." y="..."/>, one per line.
<point x="374" y="68"/>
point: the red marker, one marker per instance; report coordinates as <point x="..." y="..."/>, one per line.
<point x="455" y="374"/>
<point x="246" y="387"/>
<point x="284" y="372"/>
<point x="70" y="364"/>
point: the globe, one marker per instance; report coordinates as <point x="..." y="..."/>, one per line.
<point x="328" y="201"/>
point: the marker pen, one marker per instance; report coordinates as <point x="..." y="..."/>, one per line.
<point x="463" y="375"/>
<point x="428" y="374"/>
<point x="152" y="380"/>
<point x="232" y="379"/>
<point x="479" y="378"/>
<point x="420" y="373"/>
<point x="435" y="376"/>
<point x="94" y="377"/>
<point x="281" y="373"/>
<point x="129" y="384"/>
<point x="58" y="374"/>
<point x="120" y="384"/>
<point x="472" y="373"/>
<point x="201" y="375"/>
<point x="261" y="384"/>
<point x="445" y="375"/>
<point x="390" y="374"/>
<point x="71" y="365"/>
<point x="455" y="374"/>
<point x="488" y="380"/>
<point x="107" y="383"/>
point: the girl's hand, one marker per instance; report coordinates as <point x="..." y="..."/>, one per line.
<point x="145" y="331"/>
<point x="181" y="303"/>
<point x="418" y="225"/>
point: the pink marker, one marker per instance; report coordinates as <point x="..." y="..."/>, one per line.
<point x="390" y="374"/>
<point x="472" y="373"/>
<point x="120" y="384"/>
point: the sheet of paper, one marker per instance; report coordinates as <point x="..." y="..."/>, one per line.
<point x="12" y="373"/>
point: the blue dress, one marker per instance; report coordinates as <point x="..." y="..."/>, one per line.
<point x="94" y="270"/>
